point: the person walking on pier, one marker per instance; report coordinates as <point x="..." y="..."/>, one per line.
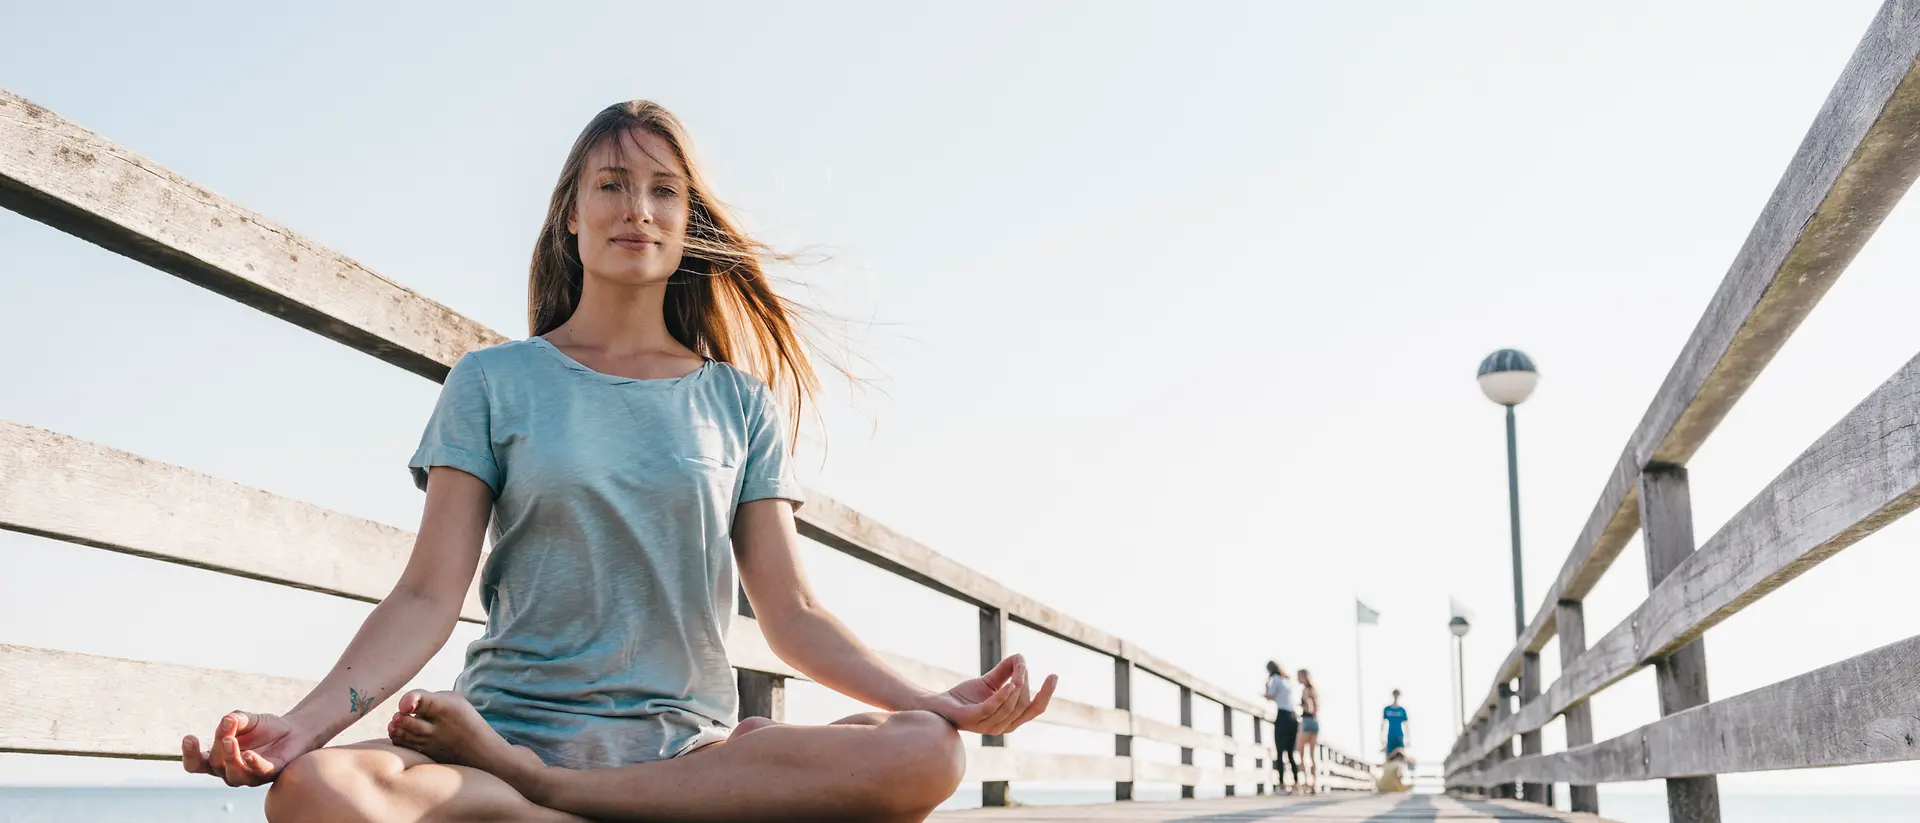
<point x="1394" y="725"/>
<point x="1286" y="727"/>
<point x="629" y="457"/>
<point x="1306" y="752"/>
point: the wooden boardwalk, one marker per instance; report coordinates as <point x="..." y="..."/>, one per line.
<point x="1399" y="808"/>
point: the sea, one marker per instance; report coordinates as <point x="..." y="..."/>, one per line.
<point x="221" y="805"/>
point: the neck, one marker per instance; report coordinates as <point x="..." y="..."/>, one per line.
<point x="620" y="318"/>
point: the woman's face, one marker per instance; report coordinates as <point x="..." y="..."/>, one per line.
<point x="631" y="212"/>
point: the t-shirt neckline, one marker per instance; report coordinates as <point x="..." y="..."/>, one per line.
<point x="547" y="346"/>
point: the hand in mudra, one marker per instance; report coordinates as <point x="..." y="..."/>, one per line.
<point x="248" y="749"/>
<point x="994" y="703"/>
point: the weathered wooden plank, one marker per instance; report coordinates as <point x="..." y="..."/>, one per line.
<point x="1666" y="523"/>
<point x="56" y="486"/>
<point x="999" y="765"/>
<point x="82" y="704"/>
<point x="1579" y="726"/>
<point x="1531" y="742"/>
<point x="1865" y="709"/>
<point x="1166" y="670"/>
<point x="1860" y="476"/>
<point x="761" y="695"/>
<point x="1123" y="739"/>
<point x="1147" y="771"/>
<point x="1855" y="163"/>
<point x="60" y="174"/>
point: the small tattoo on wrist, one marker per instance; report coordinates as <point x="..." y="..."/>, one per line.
<point x="358" y="703"/>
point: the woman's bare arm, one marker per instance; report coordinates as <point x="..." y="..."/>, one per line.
<point x="802" y="632"/>
<point x="393" y="644"/>
<point x="417" y="617"/>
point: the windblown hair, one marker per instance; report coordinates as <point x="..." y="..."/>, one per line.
<point x="720" y="302"/>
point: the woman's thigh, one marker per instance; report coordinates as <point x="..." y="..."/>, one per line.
<point x="376" y="781"/>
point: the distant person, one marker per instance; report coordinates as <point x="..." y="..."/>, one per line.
<point x="1393" y="774"/>
<point x="633" y="459"/>
<point x="1306" y="752"/>
<point x="1286" y="727"/>
<point x="1394" y="725"/>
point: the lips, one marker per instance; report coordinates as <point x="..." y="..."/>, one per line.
<point x="635" y="242"/>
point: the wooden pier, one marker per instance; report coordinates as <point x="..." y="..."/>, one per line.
<point x="92" y="495"/>
<point x="1856" y="162"/>
<point x="1387" y="808"/>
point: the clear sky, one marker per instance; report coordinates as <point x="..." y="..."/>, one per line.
<point x="1172" y="309"/>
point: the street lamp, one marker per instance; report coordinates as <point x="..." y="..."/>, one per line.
<point x="1459" y="626"/>
<point x="1507" y="377"/>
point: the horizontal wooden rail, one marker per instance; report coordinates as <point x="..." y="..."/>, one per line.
<point x="84" y="704"/>
<point x="57" y="486"/>
<point x="1851" y="169"/>
<point x="1865" y="709"/>
<point x="74" y="180"/>
<point x="1860" y="476"/>
<point x="80" y="704"/>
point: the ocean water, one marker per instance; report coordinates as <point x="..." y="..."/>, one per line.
<point x="220" y="805"/>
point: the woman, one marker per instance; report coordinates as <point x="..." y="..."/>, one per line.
<point x="1306" y="753"/>
<point x="1285" y="727"/>
<point x="628" y="455"/>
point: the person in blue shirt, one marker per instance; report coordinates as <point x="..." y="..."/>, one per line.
<point x="1393" y="725"/>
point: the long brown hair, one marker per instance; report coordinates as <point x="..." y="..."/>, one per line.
<point x="720" y="303"/>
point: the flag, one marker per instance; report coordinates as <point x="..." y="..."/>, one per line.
<point x="1363" y="615"/>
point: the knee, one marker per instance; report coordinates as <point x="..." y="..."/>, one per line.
<point x="921" y="762"/>
<point x="326" y="785"/>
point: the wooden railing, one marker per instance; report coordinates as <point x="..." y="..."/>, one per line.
<point x="58" y="487"/>
<point x="1855" y="163"/>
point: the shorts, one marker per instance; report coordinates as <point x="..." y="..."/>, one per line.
<point x="1309" y="724"/>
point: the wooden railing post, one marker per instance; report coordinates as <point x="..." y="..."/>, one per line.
<point x="1505" y="749"/>
<point x="1259" y="763"/>
<point x="1186" y="719"/>
<point x="1572" y="620"/>
<point x="1123" y="743"/>
<point x="993" y="648"/>
<point x="1226" y="728"/>
<point x="761" y="694"/>
<point x="1530" y="742"/>
<point x="1666" y="525"/>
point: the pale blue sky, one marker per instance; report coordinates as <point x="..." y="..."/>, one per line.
<point x="1177" y="305"/>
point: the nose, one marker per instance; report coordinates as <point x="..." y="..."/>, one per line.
<point x="641" y="210"/>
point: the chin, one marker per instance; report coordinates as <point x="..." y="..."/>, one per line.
<point x="633" y="275"/>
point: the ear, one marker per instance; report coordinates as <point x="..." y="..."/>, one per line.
<point x="573" y="220"/>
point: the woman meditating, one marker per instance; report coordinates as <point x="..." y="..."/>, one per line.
<point x="628" y="457"/>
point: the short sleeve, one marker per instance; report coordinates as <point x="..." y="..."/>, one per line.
<point x="767" y="472"/>
<point x="459" y="434"/>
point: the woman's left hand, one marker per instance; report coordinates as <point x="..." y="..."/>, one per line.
<point x="994" y="703"/>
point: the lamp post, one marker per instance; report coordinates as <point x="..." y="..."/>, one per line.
<point x="1459" y="626"/>
<point x="1507" y="377"/>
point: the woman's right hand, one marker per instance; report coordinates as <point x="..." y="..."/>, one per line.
<point x="248" y="749"/>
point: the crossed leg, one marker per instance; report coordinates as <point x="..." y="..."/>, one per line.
<point x="879" y="767"/>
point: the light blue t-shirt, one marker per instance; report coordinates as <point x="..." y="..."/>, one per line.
<point x="610" y="585"/>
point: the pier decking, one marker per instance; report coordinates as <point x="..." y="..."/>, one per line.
<point x="1396" y="808"/>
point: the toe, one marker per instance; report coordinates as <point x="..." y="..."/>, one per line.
<point x="411" y="702"/>
<point x="417" y="726"/>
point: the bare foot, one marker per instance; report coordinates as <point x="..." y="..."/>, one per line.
<point x="750" y="724"/>
<point x="445" y="727"/>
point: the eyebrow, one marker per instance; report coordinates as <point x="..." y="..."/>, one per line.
<point x="623" y="170"/>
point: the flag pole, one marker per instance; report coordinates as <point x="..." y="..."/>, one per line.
<point x="1359" y="685"/>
